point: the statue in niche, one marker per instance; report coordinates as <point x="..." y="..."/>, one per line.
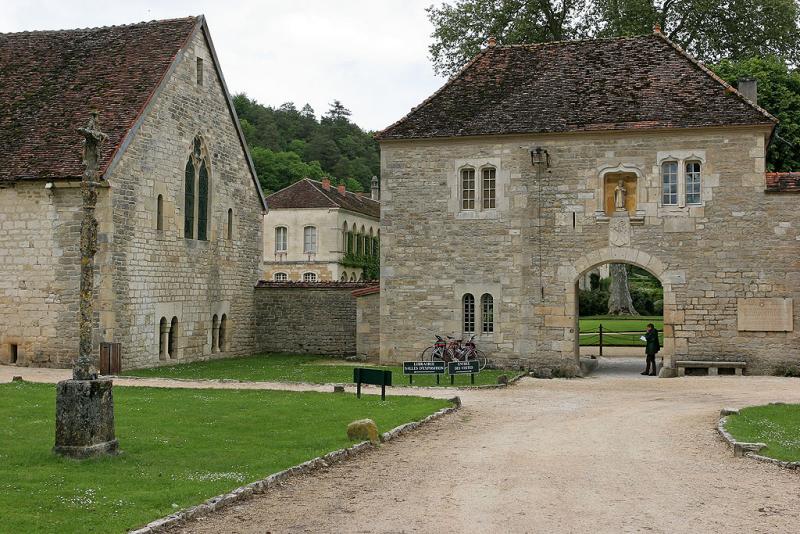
<point x="619" y="196"/>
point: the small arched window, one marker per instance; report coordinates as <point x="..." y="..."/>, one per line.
<point x="214" y="333"/>
<point x="488" y="182"/>
<point x="172" y="340"/>
<point x="487" y="313"/>
<point x="188" y="201"/>
<point x="163" y="339"/>
<point x="693" y="182"/>
<point x="344" y="277"/>
<point x="309" y="277"/>
<point x="468" y="306"/>
<point x="344" y="237"/>
<point x="353" y="277"/>
<point x="309" y="240"/>
<point x="223" y="333"/>
<point x="230" y="224"/>
<point x="160" y="213"/>
<point x="281" y="277"/>
<point x="371" y="243"/>
<point x="467" y="189"/>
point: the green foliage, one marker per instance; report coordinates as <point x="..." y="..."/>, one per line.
<point x="778" y="93"/>
<point x="645" y="289"/>
<point x="709" y="29"/>
<point x="288" y="145"/>
<point x="180" y="447"/>
<point x="593" y="302"/>
<point x="777" y="425"/>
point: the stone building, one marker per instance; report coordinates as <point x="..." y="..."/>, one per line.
<point x="317" y="233"/>
<point x="179" y="210"/>
<point x="538" y="163"/>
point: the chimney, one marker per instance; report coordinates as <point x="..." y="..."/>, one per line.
<point x="326" y="183"/>
<point x="376" y="192"/>
<point x="342" y="189"/>
<point x="749" y="89"/>
<point x="491" y="42"/>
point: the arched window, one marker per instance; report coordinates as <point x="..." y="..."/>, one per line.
<point x="197" y="187"/>
<point x="371" y="242"/>
<point x="172" y="340"/>
<point x="281" y="239"/>
<point x="488" y="175"/>
<point x="469" y="313"/>
<point x="230" y="224"/>
<point x="669" y="183"/>
<point x="163" y="338"/>
<point x="353" y="277"/>
<point x="214" y="333"/>
<point x="467" y="189"/>
<point x="309" y="240"/>
<point x="309" y="277"/>
<point x="188" y="201"/>
<point x="362" y="241"/>
<point x="222" y="338"/>
<point x="693" y="182"/>
<point x="344" y="237"/>
<point x="160" y="213"/>
<point x="281" y="277"/>
<point x="487" y="313"/>
<point x="344" y="277"/>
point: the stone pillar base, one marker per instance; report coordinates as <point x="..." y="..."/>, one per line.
<point x="85" y="419"/>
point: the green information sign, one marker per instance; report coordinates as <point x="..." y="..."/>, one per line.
<point x="424" y="368"/>
<point x="464" y="368"/>
<point x="376" y="377"/>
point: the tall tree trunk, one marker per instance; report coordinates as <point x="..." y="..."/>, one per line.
<point x="619" y="298"/>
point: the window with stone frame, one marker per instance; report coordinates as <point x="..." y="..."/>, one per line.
<point x="692" y="181"/>
<point x="188" y="201"/>
<point x="669" y="183"/>
<point x="280" y="277"/>
<point x="489" y="175"/>
<point x="309" y="277"/>
<point x="281" y="239"/>
<point x="310" y="240"/>
<point x="202" y="203"/>
<point x="230" y="224"/>
<point x="487" y="313"/>
<point x="197" y="192"/>
<point x="200" y="71"/>
<point x="468" y="308"/>
<point x="467" y="189"/>
<point x="160" y="213"/>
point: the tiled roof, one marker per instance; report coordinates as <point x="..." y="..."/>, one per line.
<point x="783" y="182"/>
<point x="51" y="80"/>
<point x="317" y="285"/>
<point x="308" y="193"/>
<point x="572" y="86"/>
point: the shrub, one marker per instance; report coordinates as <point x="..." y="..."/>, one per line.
<point x="592" y="302"/>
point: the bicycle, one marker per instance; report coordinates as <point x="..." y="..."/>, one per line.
<point x="441" y="350"/>
<point x="471" y="352"/>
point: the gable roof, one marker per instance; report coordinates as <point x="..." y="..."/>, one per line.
<point x="308" y="193"/>
<point x="51" y="80"/>
<point x="578" y="86"/>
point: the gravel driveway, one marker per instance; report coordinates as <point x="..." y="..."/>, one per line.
<point x="613" y="453"/>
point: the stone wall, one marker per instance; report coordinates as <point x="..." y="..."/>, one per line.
<point x="548" y="229"/>
<point x="368" y="322"/>
<point x="306" y="318"/>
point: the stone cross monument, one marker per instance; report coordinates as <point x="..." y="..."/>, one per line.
<point x="85" y="404"/>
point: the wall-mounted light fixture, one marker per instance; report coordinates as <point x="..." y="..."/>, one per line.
<point x="48" y="185"/>
<point x="540" y="156"/>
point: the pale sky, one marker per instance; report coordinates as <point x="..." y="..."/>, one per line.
<point x="370" y="54"/>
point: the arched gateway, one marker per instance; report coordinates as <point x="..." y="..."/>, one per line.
<point x="570" y="274"/>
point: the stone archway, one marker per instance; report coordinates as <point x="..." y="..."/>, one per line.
<point x="571" y="274"/>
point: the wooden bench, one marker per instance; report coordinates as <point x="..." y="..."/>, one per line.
<point x="712" y="367"/>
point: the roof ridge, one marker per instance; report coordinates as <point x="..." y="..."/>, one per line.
<point x="582" y="40"/>
<point x="318" y="188"/>
<point x="697" y="63"/>
<point x="355" y="194"/>
<point x="112" y="26"/>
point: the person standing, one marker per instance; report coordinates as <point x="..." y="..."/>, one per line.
<point x="652" y="346"/>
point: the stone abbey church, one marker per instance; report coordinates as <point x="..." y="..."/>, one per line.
<point x="538" y="163"/>
<point x="179" y="210"/>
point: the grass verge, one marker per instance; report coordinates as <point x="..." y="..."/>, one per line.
<point x="180" y="447"/>
<point x="297" y="368"/>
<point x="776" y="425"/>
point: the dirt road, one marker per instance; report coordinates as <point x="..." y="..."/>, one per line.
<point x="614" y="453"/>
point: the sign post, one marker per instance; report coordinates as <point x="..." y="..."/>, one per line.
<point x="469" y="367"/>
<point x="376" y="377"/>
<point x="412" y="368"/>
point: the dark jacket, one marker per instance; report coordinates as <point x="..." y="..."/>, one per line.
<point x="651" y="337"/>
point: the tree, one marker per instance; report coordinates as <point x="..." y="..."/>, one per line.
<point x="709" y="29"/>
<point x="619" y="298"/>
<point x="778" y="93"/>
<point x="276" y="170"/>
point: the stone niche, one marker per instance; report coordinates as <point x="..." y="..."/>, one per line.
<point x="610" y="181"/>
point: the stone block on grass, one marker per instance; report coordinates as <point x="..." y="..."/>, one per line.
<point x="363" y="430"/>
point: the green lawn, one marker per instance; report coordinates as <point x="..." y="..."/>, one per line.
<point x="776" y="425"/>
<point x="180" y="447"/>
<point x="297" y="368"/>
<point x="613" y="324"/>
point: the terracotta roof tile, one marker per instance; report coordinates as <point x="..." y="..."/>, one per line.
<point x="317" y="285"/>
<point x="783" y="182"/>
<point x="51" y="80"/>
<point x="308" y="193"/>
<point x="606" y="84"/>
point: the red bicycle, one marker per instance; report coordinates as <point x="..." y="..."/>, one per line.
<point x="454" y="350"/>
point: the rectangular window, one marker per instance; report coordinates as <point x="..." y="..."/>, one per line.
<point x="281" y="277"/>
<point x="13" y="353"/>
<point x="469" y="313"/>
<point x="488" y="188"/>
<point x="309" y="240"/>
<point x="487" y="315"/>
<point x="693" y="182"/>
<point x="669" y="183"/>
<point x="281" y="239"/>
<point x="468" y="189"/>
<point x="199" y="71"/>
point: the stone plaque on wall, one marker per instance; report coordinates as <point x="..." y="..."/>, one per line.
<point x="764" y="314"/>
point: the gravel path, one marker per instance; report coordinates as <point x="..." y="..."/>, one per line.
<point x="613" y="453"/>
